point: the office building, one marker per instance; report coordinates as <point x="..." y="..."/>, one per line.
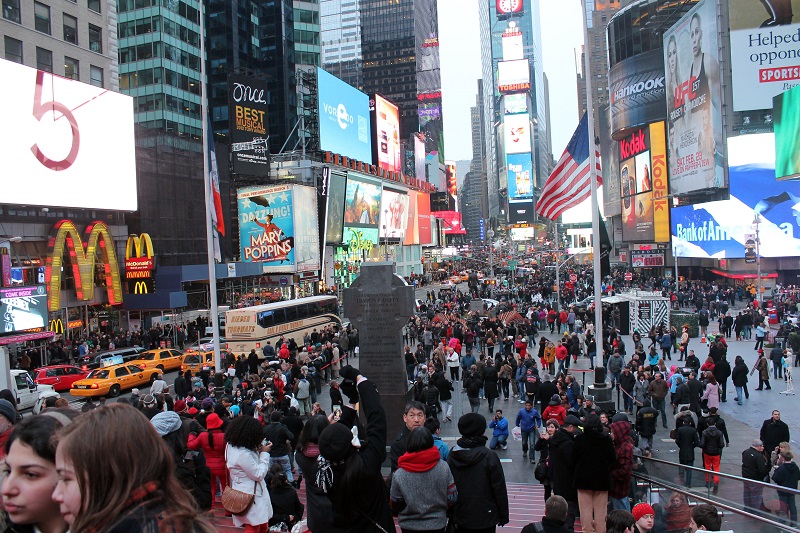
<point x="340" y="31"/>
<point x="599" y="13"/>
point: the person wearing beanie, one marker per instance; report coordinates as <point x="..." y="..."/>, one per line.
<point x="349" y="470"/>
<point x="475" y="469"/>
<point x="180" y="407"/>
<point x="645" y="517"/>
<point x="555" y="410"/>
<point x="149" y="406"/>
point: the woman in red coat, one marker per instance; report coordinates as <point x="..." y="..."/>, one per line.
<point x="213" y="443"/>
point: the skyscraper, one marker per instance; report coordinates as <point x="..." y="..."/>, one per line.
<point x="473" y="197"/>
<point x="599" y="13"/>
<point x="340" y="30"/>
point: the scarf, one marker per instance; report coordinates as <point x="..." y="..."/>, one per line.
<point x="472" y="442"/>
<point x="312" y="450"/>
<point x="420" y="461"/>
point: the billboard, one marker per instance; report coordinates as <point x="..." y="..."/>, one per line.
<point x="612" y="204"/>
<point x="523" y="234"/>
<point x="249" y="130"/>
<point x="520" y="212"/>
<point x="452" y="222"/>
<point x="764" y="56"/>
<point x="394" y="214"/>
<point x="344" y="125"/>
<point x="442" y="201"/>
<point x="508" y="7"/>
<point x="786" y="111"/>
<point x="451" y="179"/>
<point x="513" y="47"/>
<point x="520" y="175"/>
<point x="514" y="104"/>
<point x="721" y="229"/>
<point x="140" y="264"/>
<point x="647" y="258"/>
<point x="517" y="134"/>
<point x="23" y="308"/>
<point x="419" y="156"/>
<point x="362" y="209"/>
<point x="693" y="94"/>
<point x="335" y="213"/>
<point x="419" y="219"/>
<point x="387" y="135"/>
<point x="513" y="76"/>
<point x="643" y="181"/>
<point x="278" y="227"/>
<point x="636" y="88"/>
<point x="59" y="151"/>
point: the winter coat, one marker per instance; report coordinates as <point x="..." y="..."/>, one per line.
<point x="562" y="464"/>
<point x="320" y="516"/>
<point x="490" y="383"/>
<point x="640" y="392"/>
<point x="646" y="419"/>
<point x="687" y="440"/>
<point x="787" y="475"/>
<point x="712" y="395"/>
<point x="285" y="503"/>
<point x="500" y="427"/>
<point x="773" y="433"/>
<point x="711" y="441"/>
<point x="658" y="389"/>
<point x="215" y="457"/>
<point x="623" y="460"/>
<point x="278" y="434"/>
<point x="593" y="456"/>
<point x="722" y="370"/>
<point x="739" y="374"/>
<point x="528" y="420"/>
<point x="755" y="465"/>
<point x="247" y="470"/>
<point x="482" y="493"/>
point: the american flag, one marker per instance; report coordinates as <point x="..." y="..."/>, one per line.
<point x="569" y="184"/>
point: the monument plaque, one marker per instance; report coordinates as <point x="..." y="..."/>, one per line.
<point x="379" y="303"/>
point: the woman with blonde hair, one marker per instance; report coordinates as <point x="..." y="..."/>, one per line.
<point x="777" y="458"/>
<point x="98" y="492"/>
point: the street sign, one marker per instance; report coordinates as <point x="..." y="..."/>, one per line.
<point x="573" y="278"/>
<point x="628" y="276"/>
<point x="513" y="265"/>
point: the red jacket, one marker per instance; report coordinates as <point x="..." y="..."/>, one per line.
<point x="561" y="352"/>
<point x="215" y="457"/>
<point x="555" y="411"/>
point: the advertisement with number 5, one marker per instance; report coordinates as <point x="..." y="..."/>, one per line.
<point x="65" y="143"/>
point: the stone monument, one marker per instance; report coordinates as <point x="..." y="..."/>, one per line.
<point x="379" y="303"/>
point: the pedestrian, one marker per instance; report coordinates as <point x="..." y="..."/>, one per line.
<point x="529" y="421"/>
<point x="622" y="468"/>
<point x="212" y="442"/>
<point x="646" y="422"/>
<point x="555" y="513"/>
<point x="620" y="521"/>
<point x="774" y="431"/>
<point x="739" y="378"/>
<point x="562" y="466"/>
<point x="761" y="333"/>
<point x="499" y="427"/>
<point x="286" y="506"/>
<point x="593" y="456"/>
<point x="97" y="492"/>
<point x="543" y="447"/>
<point x="319" y="518"/>
<point x="763" y="371"/>
<point x="712" y="442"/>
<point x="756" y="467"/>
<point x="482" y="493"/>
<point x="705" y="517"/>
<point x="687" y="440"/>
<point x="413" y="417"/>
<point x="787" y="475"/>
<point x="722" y="371"/>
<point x="645" y="517"/>
<point x="710" y="397"/>
<point x="279" y="435"/>
<point x="657" y="390"/>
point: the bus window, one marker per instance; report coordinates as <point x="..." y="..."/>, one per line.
<point x="302" y="311"/>
<point x="291" y="313"/>
<point x="280" y="317"/>
<point x="329" y="306"/>
<point x="266" y="319"/>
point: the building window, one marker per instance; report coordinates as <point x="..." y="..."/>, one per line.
<point x="11" y="10"/>
<point x="96" y="75"/>
<point x="95" y="39"/>
<point x="70" y="29"/>
<point x="71" y="69"/>
<point x="44" y="59"/>
<point x="13" y="49"/>
<point x="41" y="17"/>
<point x="94" y="5"/>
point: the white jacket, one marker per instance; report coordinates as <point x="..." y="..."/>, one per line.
<point x="452" y="360"/>
<point x="247" y="471"/>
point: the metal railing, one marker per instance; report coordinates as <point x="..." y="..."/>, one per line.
<point x="748" y="506"/>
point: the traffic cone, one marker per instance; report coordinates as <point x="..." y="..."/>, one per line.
<point x="703" y="340"/>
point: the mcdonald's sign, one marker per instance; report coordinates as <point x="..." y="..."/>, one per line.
<point x="140" y="264"/>
<point x="57" y="326"/>
<point x="83" y="257"/>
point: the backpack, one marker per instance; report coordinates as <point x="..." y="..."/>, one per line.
<point x="195" y="477"/>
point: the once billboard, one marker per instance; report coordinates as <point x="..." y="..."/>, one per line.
<point x="721" y="229"/>
<point x="513" y="76"/>
<point x="56" y="145"/>
<point x="520" y="175"/>
<point x="23" y="308"/>
<point x="517" y="134"/>
<point x="249" y="131"/>
<point x="344" y="126"/>
<point x="394" y="214"/>
<point x="636" y="87"/>
<point x="786" y="111"/>
<point x="452" y="222"/>
<point x="387" y="135"/>
<point x="764" y="50"/>
<point x="694" y="120"/>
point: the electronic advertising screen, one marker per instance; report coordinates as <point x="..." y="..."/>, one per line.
<point x="56" y="142"/>
<point x="643" y="180"/>
<point x="786" y="111"/>
<point x="424" y="218"/>
<point x="419" y="157"/>
<point x="721" y="229"/>
<point x="693" y="94"/>
<point x="520" y="212"/>
<point x="451" y="178"/>
<point x="394" y="214"/>
<point x="509" y="7"/>
<point x="249" y="129"/>
<point x="344" y="125"/>
<point x="266" y="226"/>
<point x="306" y="228"/>
<point x="513" y="76"/>
<point x="517" y="134"/>
<point x="513" y="47"/>
<point x="387" y="133"/>
<point x="514" y="104"/>
<point x="764" y="60"/>
<point x="362" y="209"/>
<point x="523" y="234"/>
<point x="636" y="88"/>
<point x="520" y="175"/>
<point x="452" y="222"/>
<point x="23" y="308"/>
<point x="335" y="212"/>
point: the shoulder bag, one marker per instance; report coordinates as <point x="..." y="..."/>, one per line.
<point x="235" y="501"/>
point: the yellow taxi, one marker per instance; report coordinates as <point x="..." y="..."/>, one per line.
<point x="111" y="380"/>
<point x="163" y="359"/>
<point x="196" y="360"/>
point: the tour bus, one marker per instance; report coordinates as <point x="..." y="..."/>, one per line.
<point x="251" y="327"/>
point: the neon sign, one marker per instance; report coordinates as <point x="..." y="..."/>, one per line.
<point x="359" y="242"/>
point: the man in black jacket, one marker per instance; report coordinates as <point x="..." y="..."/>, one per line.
<point x="562" y="465"/>
<point x="277" y="433"/>
<point x="695" y="391"/>
<point x="646" y="420"/>
<point x="413" y="417"/>
<point x="555" y="513"/>
<point x="687" y="440"/>
<point x="755" y="466"/>
<point x="774" y="431"/>
<point x="713" y="419"/>
<point x="722" y="371"/>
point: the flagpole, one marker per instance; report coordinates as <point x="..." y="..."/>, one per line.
<point x="598" y="304"/>
<point x="558" y="268"/>
<point x="212" y="265"/>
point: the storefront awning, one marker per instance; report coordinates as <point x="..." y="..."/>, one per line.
<point x="24" y="337"/>
<point x="743" y="275"/>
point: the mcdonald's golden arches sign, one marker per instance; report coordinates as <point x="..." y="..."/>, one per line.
<point x="140" y="264"/>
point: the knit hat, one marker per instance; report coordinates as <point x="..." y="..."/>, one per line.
<point x="235" y="410"/>
<point x="472" y="425"/>
<point x="180" y="406"/>
<point x="555" y="399"/>
<point x="135" y="391"/>
<point x="336" y="442"/>
<point x="620" y="417"/>
<point x="8" y="411"/>
<point x="207" y="404"/>
<point x="166" y="422"/>
<point x="149" y="401"/>
<point x="213" y="421"/>
<point x="193" y="411"/>
<point x="642" y="509"/>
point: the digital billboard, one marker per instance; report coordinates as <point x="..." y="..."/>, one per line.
<point x="451" y="179"/>
<point x="23" y="308"/>
<point x="764" y="50"/>
<point x="57" y="148"/>
<point x="387" y="135"/>
<point x="523" y="234"/>
<point x="514" y="104"/>
<point x="362" y="208"/>
<point x="612" y="204"/>
<point x="344" y="125"/>
<point x="520" y="212"/>
<point x="509" y="7"/>
<point x="394" y="214"/>
<point x="513" y="76"/>
<point x="517" y="134"/>
<point x="442" y="201"/>
<point x="520" y="175"/>
<point x="643" y="181"/>
<point x="513" y="47"/>
<point x="786" y="110"/>
<point x="306" y="229"/>
<point x="452" y="222"/>
<point x="335" y="211"/>
<point x="721" y="229"/>
<point x="419" y="156"/>
<point x="266" y="226"/>
<point x="636" y="88"/>
<point x="693" y="94"/>
<point x="249" y="130"/>
<point x="424" y="218"/>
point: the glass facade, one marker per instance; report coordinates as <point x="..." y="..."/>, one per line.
<point x="341" y="40"/>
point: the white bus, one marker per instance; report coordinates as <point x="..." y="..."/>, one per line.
<point x="251" y="327"/>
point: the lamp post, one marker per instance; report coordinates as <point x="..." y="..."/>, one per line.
<point x="757" y="223"/>
<point x="490" y="235"/>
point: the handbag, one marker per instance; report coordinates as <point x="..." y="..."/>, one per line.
<point x="237" y="502"/>
<point x="540" y="472"/>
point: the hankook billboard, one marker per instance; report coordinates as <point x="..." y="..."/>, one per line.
<point x="636" y="87"/>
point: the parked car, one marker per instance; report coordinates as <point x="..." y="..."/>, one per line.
<point x="61" y="377"/>
<point x="95" y="360"/>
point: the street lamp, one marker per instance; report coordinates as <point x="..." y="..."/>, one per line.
<point x="490" y="235"/>
<point x="757" y="223"/>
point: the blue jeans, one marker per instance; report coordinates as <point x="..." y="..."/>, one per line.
<point x="521" y="389"/>
<point x="746" y="332"/>
<point x="283" y="460"/>
<point x="660" y="405"/>
<point x="498" y="441"/>
<point x="620" y="503"/>
<point x="614" y="377"/>
<point x="529" y="437"/>
<point x="739" y="394"/>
